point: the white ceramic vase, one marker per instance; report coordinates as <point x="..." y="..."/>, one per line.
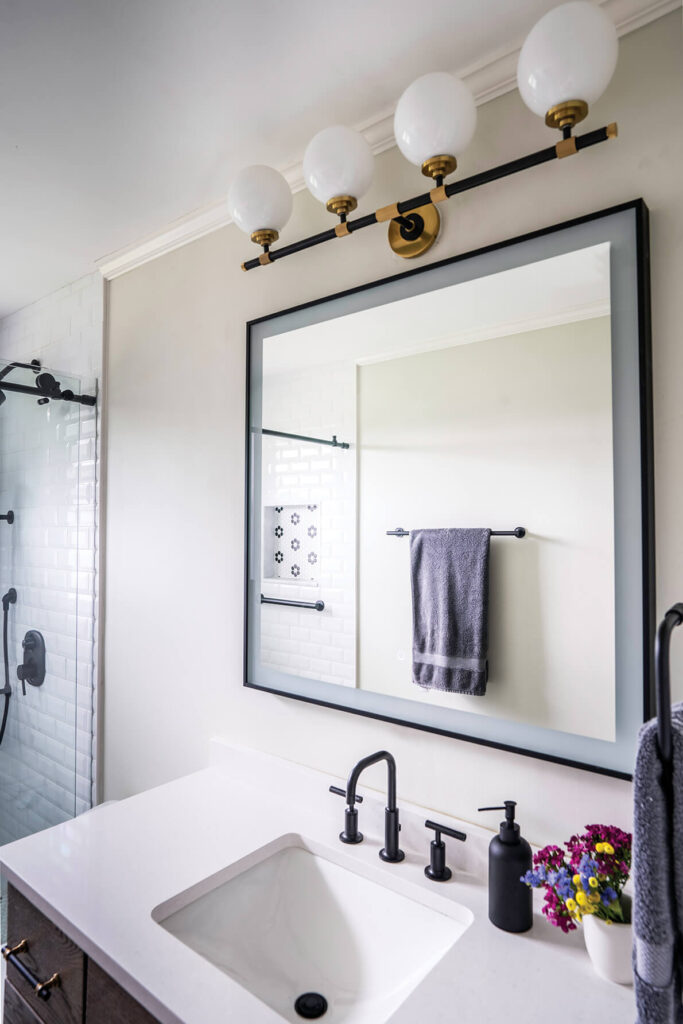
<point x="609" y="947"/>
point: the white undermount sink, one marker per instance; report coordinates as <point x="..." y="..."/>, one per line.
<point x="295" y="918"/>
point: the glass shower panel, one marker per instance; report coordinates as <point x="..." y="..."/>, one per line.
<point x="47" y="559"/>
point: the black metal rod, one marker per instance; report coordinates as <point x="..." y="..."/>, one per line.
<point x="66" y="396"/>
<point x="334" y="443"/>
<point x="318" y="606"/>
<point x="6" y="370"/>
<point x="673" y="618"/>
<point x="8" y="517"/>
<point x="518" y="532"/>
<point x="524" y="163"/>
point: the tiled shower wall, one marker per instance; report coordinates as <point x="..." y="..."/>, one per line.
<point x="51" y="554"/>
<point x="318" y="402"/>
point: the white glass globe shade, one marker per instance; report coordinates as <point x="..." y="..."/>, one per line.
<point x="435" y="116"/>
<point x="338" y="162"/>
<point x="570" y="54"/>
<point x="259" y="199"/>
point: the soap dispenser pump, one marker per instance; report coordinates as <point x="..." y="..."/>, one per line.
<point x="510" y="904"/>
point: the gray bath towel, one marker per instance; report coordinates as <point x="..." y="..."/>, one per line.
<point x="658" y="880"/>
<point x="450" y="582"/>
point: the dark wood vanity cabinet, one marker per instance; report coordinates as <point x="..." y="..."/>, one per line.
<point x="85" y="994"/>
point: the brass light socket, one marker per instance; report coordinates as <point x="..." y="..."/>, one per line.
<point x="566" y="114"/>
<point x="409" y="248"/>
<point x="439" y="166"/>
<point x="341" y="205"/>
<point x="264" y="236"/>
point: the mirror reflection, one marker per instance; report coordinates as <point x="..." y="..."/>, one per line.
<point x="393" y="440"/>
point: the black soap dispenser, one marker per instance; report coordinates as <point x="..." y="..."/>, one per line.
<point x="510" y="904"/>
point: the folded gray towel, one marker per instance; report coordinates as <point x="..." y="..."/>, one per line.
<point x="658" y="880"/>
<point x="450" y="583"/>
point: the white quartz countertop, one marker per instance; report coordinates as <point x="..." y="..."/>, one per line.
<point x="100" y="876"/>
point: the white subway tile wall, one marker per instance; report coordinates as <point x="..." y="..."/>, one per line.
<point x="49" y="476"/>
<point x="318" y="402"/>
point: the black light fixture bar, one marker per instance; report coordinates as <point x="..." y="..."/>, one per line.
<point x="518" y="532"/>
<point x="334" y="443"/>
<point x="318" y="606"/>
<point x="66" y="396"/>
<point x="566" y="147"/>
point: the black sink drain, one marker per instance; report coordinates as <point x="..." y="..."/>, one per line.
<point x="311" y="1005"/>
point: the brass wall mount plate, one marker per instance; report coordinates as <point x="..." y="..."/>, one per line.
<point x="402" y="242"/>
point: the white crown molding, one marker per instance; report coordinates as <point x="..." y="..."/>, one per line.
<point x="488" y="78"/>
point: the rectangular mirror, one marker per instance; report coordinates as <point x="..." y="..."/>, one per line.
<point x="504" y="390"/>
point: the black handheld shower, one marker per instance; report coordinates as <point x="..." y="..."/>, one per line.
<point x="9" y="598"/>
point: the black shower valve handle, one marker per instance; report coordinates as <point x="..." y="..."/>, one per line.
<point x="21" y="675"/>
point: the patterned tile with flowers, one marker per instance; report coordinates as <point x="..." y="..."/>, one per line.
<point x="296" y="542"/>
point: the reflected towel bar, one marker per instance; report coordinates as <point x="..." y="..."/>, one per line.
<point x="518" y="532"/>
<point x="318" y="606"/>
<point x="334" y="443"/>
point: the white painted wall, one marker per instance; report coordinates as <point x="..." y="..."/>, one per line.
<point x="176" y="366"/>
<point x="505" y="432"/>
<point x="49" y="475"/>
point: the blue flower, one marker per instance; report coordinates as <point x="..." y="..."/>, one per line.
<point x="563" y="884"/>
<point x="608" y="896"/>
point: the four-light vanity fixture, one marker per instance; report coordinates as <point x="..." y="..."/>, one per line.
<point x="566" y="63"/>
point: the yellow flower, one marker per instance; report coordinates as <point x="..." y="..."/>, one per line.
<point x="593" y="882"/>
<point x="571" y="905"/>
<point x="593" y="897"/>
<point x="599" y="847"/>
<point x="582" y="899"/>
<point x="576" y="880"/>
<point x="589" y="909"/>
<point x="608" y="849"/>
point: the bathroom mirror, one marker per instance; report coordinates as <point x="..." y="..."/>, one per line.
<point x="506" y="389"/>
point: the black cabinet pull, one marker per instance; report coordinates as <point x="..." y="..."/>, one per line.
<point x="41" y="988"/>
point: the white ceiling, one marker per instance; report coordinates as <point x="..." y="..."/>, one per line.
<point x="119" y="116"/>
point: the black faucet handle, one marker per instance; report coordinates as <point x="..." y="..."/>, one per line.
<point x="452" y="832"/>
<point x="436" y="869"/>
<point x="342" y="792"/>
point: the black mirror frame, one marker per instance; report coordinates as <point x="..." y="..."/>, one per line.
<point x="641" y="215"/>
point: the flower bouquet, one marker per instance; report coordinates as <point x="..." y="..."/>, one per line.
<point x="585" y="883"/>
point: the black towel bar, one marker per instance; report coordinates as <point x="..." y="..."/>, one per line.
<point x="673" y="618"/>
<point x="519" y="532"/>
<point x="334" y="443"/>
<point x="318" y="606"/>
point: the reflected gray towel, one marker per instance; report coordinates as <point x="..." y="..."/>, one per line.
<point x="449" y="572"/>
<point x="658" y="880"/>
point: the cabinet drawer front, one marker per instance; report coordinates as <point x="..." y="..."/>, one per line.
<point x="16" y="1010"/>
<point x="108" y="1003"/>
<point x="48" y="951"/>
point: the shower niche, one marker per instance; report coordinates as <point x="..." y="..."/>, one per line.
<point x="291" y="543"/>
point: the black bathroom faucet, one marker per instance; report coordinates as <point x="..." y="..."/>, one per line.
<point x="391" y="851"/>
